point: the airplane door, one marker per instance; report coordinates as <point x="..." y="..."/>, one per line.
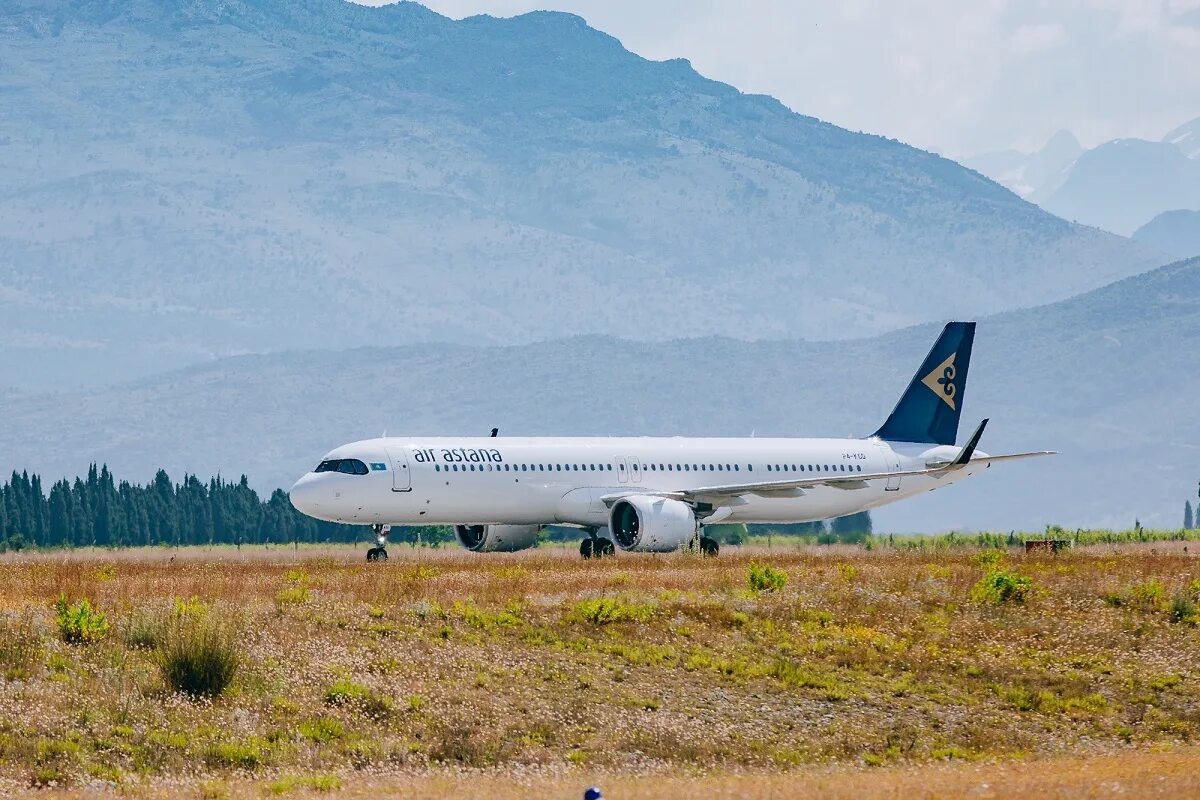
<point x="622" y="469"/>
<point x="892" y="462"/>
<point x="635" y="470"/>
<point x="401" y="477"/>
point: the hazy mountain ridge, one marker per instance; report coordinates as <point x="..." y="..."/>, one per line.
<point x="1122" y="184"/>
<point x="1027" y="173"/>
<point x="1175" y="232"/>
<point x="1109" y="378"/>
<point x="1118" y="186"/>
<point x="197" y="178"/>
<point x="1186" y="137"/>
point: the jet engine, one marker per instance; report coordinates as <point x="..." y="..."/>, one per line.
<point x="642" y="523"/>
<point x="496" y="538"/>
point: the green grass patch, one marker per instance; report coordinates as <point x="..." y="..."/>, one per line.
<point x="311" y="783"/>
<point x="321" y="729"/>
<point x="345" y="692"/>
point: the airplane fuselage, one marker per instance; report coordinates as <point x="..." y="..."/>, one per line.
<point x="534" y="481"/>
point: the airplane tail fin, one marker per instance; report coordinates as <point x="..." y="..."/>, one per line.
<point x="929" y="409"/>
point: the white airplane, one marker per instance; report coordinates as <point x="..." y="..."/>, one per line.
<point x="651" y="494"/>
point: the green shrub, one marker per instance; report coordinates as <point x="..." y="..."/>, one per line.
<point x="1148" y="596"/>
<point x="765" y="578"/>
<point x="1002" y="586"/>
<point x="606" y="610"/>
<point x="80" y="623"/>
<point x="1183" y="609"/>
<point x="198" y="658"/>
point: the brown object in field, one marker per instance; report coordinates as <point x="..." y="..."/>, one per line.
<point x="1046" y="545"/>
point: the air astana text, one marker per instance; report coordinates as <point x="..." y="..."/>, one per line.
<point x="458" y="454"/>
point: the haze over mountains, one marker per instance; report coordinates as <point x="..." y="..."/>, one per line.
<point x="1174" y="232"/>
<point x="1118" y="186"/>
<point x="195" y="178"/>
<point x="1108" y="378"/>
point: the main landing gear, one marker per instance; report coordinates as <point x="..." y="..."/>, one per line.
<point x="708" y="547"/>
<point x="379" y="551"/>
<point x="596" y="547"/>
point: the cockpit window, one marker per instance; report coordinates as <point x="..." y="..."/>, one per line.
<point x="347" y="466"/>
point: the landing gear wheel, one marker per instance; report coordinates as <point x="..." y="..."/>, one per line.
<point x="379" y="552"/>
<point x="709" y="547"/>
<point x="586" y="548"/>
<point x="603" y="548"/>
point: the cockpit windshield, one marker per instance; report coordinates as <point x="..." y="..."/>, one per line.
<point x="347" y="466"/>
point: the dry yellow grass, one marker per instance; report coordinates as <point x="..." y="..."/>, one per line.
<point x="869" y="674"/>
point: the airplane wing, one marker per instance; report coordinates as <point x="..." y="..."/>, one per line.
<point x="795" y="487"/>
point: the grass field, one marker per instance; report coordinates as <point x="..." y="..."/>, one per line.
<point x="837" y="672"/>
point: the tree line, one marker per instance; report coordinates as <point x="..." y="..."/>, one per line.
<point x="97" y="511"/>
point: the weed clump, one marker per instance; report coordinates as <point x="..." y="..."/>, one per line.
<point x="1183" y="609"/>
<point x="20" y="647"/>
<point x="1002" y="586"/>
<point x="321" y="729"/>
<point x="79" y="623"/>
<point x="144" y="633"/>
<point x="765" y="578"/>
<point x="1148" y="596"/>
<point x="198" y="658"/>
<point x="344" y="692"/>
<point x="607" y="610"/>
<point x="240" y="755"/>
<point x="314" y="783"/>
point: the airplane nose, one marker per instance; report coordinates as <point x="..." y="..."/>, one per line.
<point x="304" y="495"/>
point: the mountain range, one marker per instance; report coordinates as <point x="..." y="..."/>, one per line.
<point x="1108" y="378"/>
<point x="1118" y="186"/>
<point x="191" y="179"/>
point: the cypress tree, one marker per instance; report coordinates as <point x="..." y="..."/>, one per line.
<point x="60" y="515"/>
<point x="1188" y="520"/>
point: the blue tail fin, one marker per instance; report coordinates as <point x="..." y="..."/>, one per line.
<point x="930" y="407"/>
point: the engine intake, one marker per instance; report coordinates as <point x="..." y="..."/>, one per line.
<point x="641" y="523"/>
<point x="497" y="538"/>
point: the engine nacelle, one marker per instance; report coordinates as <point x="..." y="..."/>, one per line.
<point x="651" y="524"/>
<point x="496" y="538"/>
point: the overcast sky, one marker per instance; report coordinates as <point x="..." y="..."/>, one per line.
<point x="958" y="77"/>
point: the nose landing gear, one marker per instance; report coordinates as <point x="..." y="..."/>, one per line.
<point x="379" y="551"/>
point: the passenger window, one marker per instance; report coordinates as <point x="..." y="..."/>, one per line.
<point x="735" y="468"/>
<point x="686" y="468"/>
